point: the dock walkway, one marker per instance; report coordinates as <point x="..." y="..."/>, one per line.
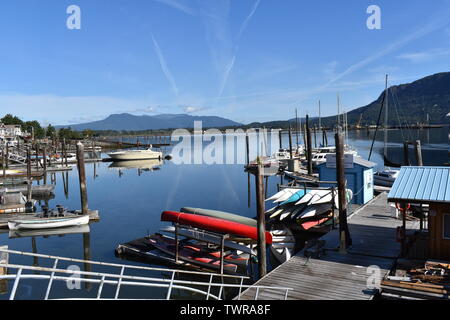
<point x="336" y="276"/>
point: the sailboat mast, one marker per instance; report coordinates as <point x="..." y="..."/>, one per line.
<point x="338" y="113"/>
<point x="320" y="120"/>
<point x="386" y="118"/>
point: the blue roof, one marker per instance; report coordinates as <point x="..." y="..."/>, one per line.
<point x="422" y="184"/>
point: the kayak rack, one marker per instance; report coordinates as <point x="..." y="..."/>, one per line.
<point x="119" y="278"/>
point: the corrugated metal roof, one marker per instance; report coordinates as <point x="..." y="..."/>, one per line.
<point x="364" y="162"/>
<point x="422" y="184"/>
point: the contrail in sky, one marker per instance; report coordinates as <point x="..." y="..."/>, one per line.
<point x="164" y="67"/>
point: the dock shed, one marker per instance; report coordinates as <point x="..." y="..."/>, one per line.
<point x="358" y="172"/>
<point x="429" y="186"/>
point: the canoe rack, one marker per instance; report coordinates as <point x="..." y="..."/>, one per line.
<point x="120" y="279"/>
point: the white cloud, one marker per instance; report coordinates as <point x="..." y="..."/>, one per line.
<point x="178" y="6"/>
<point x="193" y="109"/>
<point x="423" y="56"/>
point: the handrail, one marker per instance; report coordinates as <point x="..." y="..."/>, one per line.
<point x="120" y="280"/>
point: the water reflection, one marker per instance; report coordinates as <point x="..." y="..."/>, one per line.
<point x="140" y="165"/>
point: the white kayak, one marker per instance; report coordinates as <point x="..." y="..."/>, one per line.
<point x="48" y="223"/>
<point x="287" y="195"/>
<point x="281" y="193"/>
<point x="315" y="210"/>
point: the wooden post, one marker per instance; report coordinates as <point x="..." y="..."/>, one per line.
<point x="261" y="222"/>
<point x="44" y="162"/>
<point x="280" y="140"/>
<point x="28" y="174"/>
<point x="7" y="156"/>
<point x="403" y="247"/>
<point x="4" y="163"/>
<point x="248" y="174"/>
<point x="315" y="136"/>
<point x="290" y="141"/>
<point x="309" y="147"/>
<point x="4" y="259"/>
<point x="344" y="234"/>
<point x="36" y="149"/>
<point x="406" y="153"/>
<point x="418" y="148"/>
<point x="87" y="257"/>
<point x="82" y="178"/>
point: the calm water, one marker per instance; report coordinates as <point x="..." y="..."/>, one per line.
<point x="130" y="201"/>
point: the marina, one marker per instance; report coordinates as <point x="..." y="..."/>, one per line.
<point x="225" y="150"/>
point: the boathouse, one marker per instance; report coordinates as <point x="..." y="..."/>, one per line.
<point x="358" y="172"/>
<point x="428" y="187"/>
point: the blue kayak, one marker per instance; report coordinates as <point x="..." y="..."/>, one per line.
<point x="296" y="196"/>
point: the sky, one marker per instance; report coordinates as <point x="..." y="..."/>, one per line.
<point x="246" y="60"/>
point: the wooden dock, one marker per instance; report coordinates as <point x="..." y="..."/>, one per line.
<point x="331" y="275"/>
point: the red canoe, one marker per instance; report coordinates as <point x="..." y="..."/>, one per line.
<point x="213" y="224"/>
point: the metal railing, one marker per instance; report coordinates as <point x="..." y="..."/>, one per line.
<point x="52" y="274"/>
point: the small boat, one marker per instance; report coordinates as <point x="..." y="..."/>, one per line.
<point x="48" y="232"/>
<point x="313" y="225"/>
<point x="195" y="254"/>
<point x="284" y="246"/>
<point x="213" y="224"/>
<point x="203" y="236"/>
<point x="136" y="154"/>
<point x="296" y="196"/>
<point x="49" y="220"/>
<point x="385" y="178"/>
<point x="314" y="210"/>
<point x="220" y="215"/>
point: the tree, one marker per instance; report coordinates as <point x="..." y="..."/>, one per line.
<point x="9" y="119"/>
<point x="50" y="132"/>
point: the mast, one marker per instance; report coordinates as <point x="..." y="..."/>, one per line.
<point x="338" y="112"/>
<point x="386" y="118"/>
<point x="320" y="120"/>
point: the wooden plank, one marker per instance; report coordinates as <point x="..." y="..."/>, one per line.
<point x="3" y="271"/>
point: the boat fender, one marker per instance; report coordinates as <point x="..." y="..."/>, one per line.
<point x="399" y="207"/>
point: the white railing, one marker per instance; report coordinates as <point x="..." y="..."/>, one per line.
<point x="120" y="279"/>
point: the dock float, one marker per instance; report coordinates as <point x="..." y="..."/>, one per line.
<point x="330" y="275"/>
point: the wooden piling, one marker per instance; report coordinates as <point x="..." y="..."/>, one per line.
<point x="28" y="174"/>
<point x="261" y="222"/>
<point x="4" y="163"/>
<point x="309" y="146"/>
<point x="82" y="178"/>
<point x="418" y="148"/>
<point x="344" y="234"/>
<point x="406" y="153"/>
<point x="279" y="139"/>
<point x="4" y="259"/>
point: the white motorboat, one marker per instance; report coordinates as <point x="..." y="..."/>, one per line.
<point x="385" y="177"/>
<point x="136" y="154"/>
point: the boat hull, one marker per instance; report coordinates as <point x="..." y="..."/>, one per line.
<point x="51" y="223"/>
<point x="213" y="224"/>
<point x="135" y="155"/>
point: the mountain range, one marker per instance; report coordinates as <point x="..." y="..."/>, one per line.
<point x="422" y="101"/>
<point x="129" y="122"/>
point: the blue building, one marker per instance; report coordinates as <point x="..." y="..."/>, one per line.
<point x="358" y="172"/>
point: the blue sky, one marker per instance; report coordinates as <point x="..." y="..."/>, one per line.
<point x="247" y="60"/>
